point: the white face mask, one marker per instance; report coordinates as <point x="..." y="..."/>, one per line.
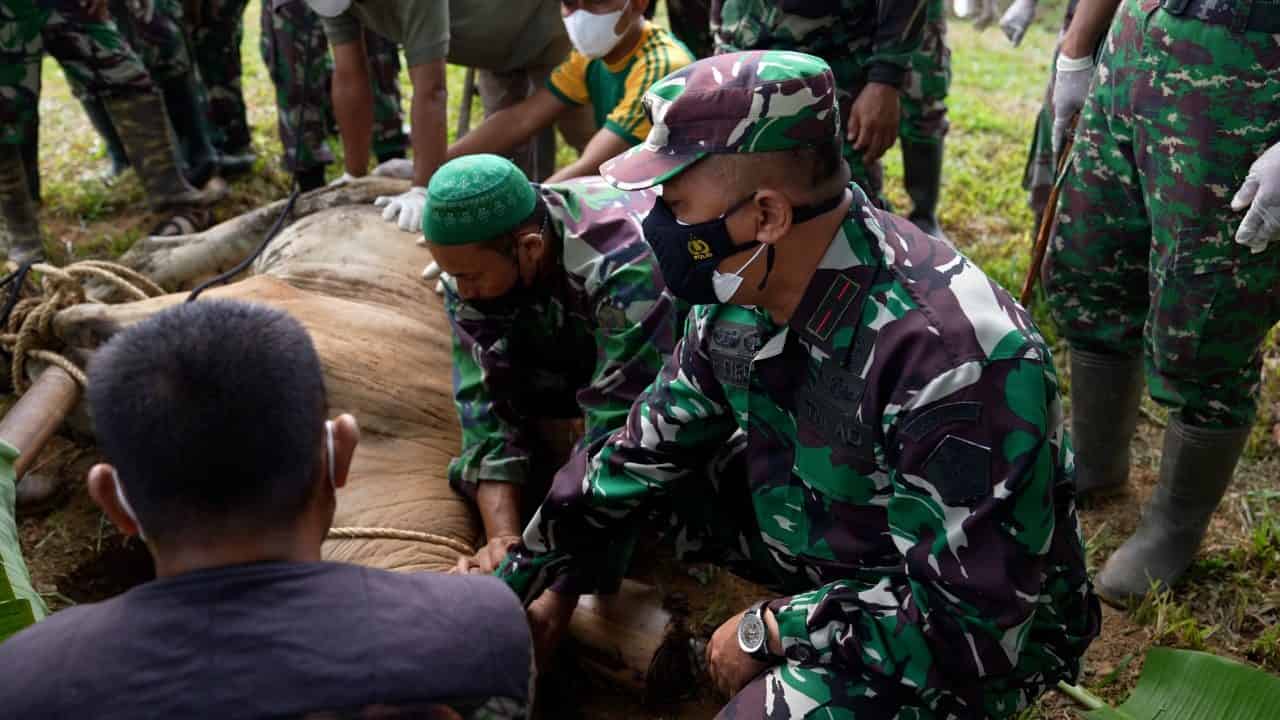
<point x="329" y="8"/>
<point x="328" y="439"/>
<point x="726" y="284"/>
<point x="124" y="504"/>
<point x="593" y="35"/>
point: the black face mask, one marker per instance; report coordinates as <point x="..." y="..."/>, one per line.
<point x="690" y="253"/>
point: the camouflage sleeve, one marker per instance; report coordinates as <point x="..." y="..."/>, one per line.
<point x="574" y="543"/>
<point x="493" y="446"/>
<point x="898" y="33"/>
<point x="635" y="333"/>
<point x="978" y="457"/>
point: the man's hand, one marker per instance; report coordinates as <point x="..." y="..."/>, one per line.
<point x="548" y="619"/>
<point x="96" y="9"/>
<point x="731" y="668"/>
<point x="873" y="120"/>
<point x="1070" y="90"/>
<point x="1017" y="19"/>
<point x="433" y="272"/>
<point x="1261" y="194"/>
<point x="488" y="558"/>
<point x="404" y="209"/>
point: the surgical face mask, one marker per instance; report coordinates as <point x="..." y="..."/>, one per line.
<point x="328" y="441"/>
<point x="726" y="284"/>
<point x="593" y="35"/>
<point x="124" y="504"/>
<point x="329" y="8"/>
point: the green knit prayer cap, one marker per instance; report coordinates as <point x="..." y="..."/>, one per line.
<point x="476" y="198"/>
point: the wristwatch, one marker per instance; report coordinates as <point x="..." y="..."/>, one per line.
<point x="753" y="634"/>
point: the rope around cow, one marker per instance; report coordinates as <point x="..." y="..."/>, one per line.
<point x="28" y="322"/>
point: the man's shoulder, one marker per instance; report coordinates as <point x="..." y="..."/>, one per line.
<point x="661" y="47"/>
<point x="598" y="223"/>
<point x="935" y="289"/>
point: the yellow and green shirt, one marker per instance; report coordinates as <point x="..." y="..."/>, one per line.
<point x="616" y="91"/>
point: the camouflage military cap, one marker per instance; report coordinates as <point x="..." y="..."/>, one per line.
<point x="746" y="102"/>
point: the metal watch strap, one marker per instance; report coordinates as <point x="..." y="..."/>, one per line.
<point x="762" y="654"/>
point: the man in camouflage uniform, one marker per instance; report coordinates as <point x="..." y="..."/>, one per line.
<point x="292" y="37"/>
<point x="558" y="312"/>
<point x="91" y="50"/>
<point x="1144" y="275"/>
<point x="924" y="120"/>
<point x="154" y="29"/>
<point x="861" y="420"/>
<point x="869" y="45"/>
<point x="217" y="29"/>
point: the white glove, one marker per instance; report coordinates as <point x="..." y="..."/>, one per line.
<point x="433" y="272"/>
<point x="1016" y="19"/>
<point x="1261" y="194"/>
<point x="1070" y="90"/>
<point x="398" y="168"/>
<point x="965" y="8"/>
<point x="404" y="209"/>
<point x="343" y="179"/>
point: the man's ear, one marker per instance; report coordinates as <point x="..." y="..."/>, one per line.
<point x="532" y="247"/>
<point x="102" y="488"/>
<point x="773" y="216"/>
<point x="346" y="436"/>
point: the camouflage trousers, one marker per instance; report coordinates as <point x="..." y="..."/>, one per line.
<point x="93" y="54"/>
<point x="217" y="28"/>
<point x="160" y="41"/>
<point x="1143" y="259"/>
<point x="928" y="80"/>
<point x="290" y="38"/>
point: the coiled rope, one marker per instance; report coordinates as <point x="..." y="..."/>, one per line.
<point x="28" y="323"/>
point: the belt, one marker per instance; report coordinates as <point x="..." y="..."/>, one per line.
<point x="1240" y="15"/>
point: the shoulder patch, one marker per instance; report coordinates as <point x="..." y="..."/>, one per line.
<point x="960" y="470"/>
<point x="924" y="424"/>
<point x="732" y="346"/>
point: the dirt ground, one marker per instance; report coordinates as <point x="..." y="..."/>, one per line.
<point x="1229" y="605"/>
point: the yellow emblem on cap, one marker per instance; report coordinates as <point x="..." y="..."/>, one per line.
<point x="699" y="249"/>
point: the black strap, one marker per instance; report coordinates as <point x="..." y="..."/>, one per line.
<point x="805" y="213"/>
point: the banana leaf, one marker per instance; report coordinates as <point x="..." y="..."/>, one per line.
<point x="1189" y="685"/>
<point x="20" y="604"/>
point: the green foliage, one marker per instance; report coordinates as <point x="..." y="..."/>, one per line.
<point x="1183" y="685"/>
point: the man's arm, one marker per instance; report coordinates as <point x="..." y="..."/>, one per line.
<point x="1088" y="26"/>
<point x="1073" y="73"/>
<point x="428" y="112"/>
<point x="494" y="461"/>
<point x="672" y="429"/>
<point x="603" y="145"/>
<point x="353" y="104"/>
<point x="974" y="518"/>
<point x="510" y="126"/>
<point x="874" y="114"/>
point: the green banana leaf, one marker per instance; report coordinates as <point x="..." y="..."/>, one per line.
<point x="1189" y="685"/>
<point x="20" y="604"/>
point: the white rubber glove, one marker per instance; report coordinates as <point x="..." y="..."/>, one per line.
<point x="1261" y="194"/>
<point x="404" y="209"/>
<point x="1016" y="19"/>
<point x="433" y="272"/>
<point x="965" y="8"/>
<point x="342" y="179"/>
<point x="1070" y="90"/>
<point x="398" y="168"/>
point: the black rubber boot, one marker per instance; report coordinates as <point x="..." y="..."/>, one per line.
<point x="20" y="231"/>
<point x="922" y="175"/>
<point x="190" y="126"/>
<point x="143" y="125"/>
<point x="1105" y="392"/>
<point x="1195" y="470"/>
<point x="101" y="122"/>
<point x="310" y="179"/>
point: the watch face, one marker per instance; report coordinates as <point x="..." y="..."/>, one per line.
<point x="751" y="633"/>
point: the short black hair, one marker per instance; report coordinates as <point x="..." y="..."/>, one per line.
<point x="212" y="413"/>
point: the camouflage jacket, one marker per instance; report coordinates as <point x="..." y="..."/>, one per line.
<point x="583" y="346"/>
<point x="862" y="40"/>
<point x="910" y="472"/>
